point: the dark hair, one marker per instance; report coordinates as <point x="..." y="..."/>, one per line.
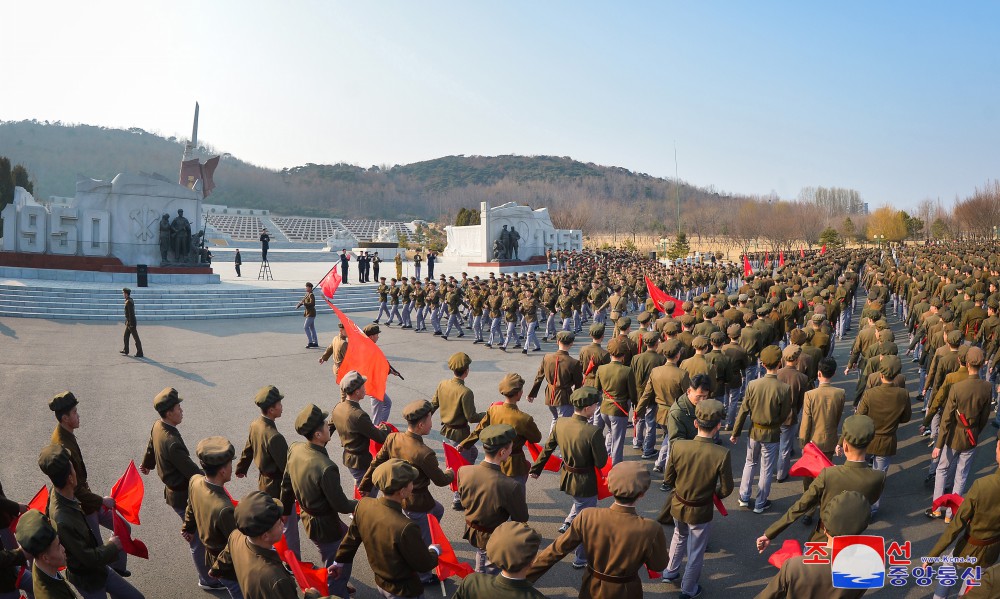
<point x="61" y="413"/>
<point x="828" y="367"/>
<point x="127" y="291"/>
<point x="702" y="382"/>
<point x="60" y="479"/>
<point x="211" y="470"/>
<point x="309" y="285"/>
<point x="461" y="372"/>
<point x="163" y="413"/>
<point x="622" y="499"/>
<point x="499" y="449"/>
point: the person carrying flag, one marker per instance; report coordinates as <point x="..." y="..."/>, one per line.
<point x="562" y="375"/>
<point x="616" y="382"/>
<point x="458" y="410"/>
<point x="355" y="427"/>
<point x="593" y="356"/>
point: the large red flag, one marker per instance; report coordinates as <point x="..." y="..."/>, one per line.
<point x="364" y="356"/>
<point x="747" y="269"/>
<point x="453" y="460"/>
<point x="660" y="298"/>
<point x="767" y="259"/>
<point x="812" y="461"/>
<point x="554" y="462"/>
<point x="448" y="564"/>
<point x="373" y="447"/>
<point x="128" y="492"/>
<point x="307" y="575"/>
<point x="781" y="258"/>
<point x="789" y="549"/>
<point x="822" y="250"/>
<point x="329" y="283"/>
<point x="38" y="502"/>
<point x="129" y="545"/>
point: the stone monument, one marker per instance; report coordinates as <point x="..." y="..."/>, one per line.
<point x="509" y="233"/>
<point x="386" y="235"/>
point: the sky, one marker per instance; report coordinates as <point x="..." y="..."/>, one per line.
<point x="895" y="99"/>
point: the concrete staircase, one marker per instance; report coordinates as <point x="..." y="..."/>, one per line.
<point x="170" y="304"/>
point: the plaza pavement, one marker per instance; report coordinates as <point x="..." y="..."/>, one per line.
<point x="217" y="366"/>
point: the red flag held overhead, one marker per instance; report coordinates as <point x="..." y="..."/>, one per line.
<point x="448" y="564"/>
<point x="329" y="283"/>
<point x="128" y="492"/>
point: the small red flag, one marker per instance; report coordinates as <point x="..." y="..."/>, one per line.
<point x="812" y="461"/>
<point x="602" y="480"/>
<point x="307" y="575"/>
<point x="802" y="253"/>
<point x="949" y="500"/>
<point x="719" y="506"/>
<point x="554" y="462"/>
<point x="653" y="574"/>
<point x="767" y="259"/>
<point x="329" y="283"/>
<point x="822" y="250"/>
<point x="38" y="502"/>
<point x="373" y="447"/>
<point x="129" y="545"/>
<point x="789" y="549"/>
<point x="453" y="460"/>
<point x="364" y="356"/>
<point x="357" y="492"/>
<point x="448" y="564"/>
<point x="128" y="492"/>
<point x="747" y="269"/>
<point x="781" y="258"/>
<point x="660" y="298"/>
<point x="281" y="547"/>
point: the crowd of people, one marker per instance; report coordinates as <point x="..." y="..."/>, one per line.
<point x="726" y="352"/>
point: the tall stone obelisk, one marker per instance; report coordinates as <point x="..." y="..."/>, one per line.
<point x="192" y="145"/>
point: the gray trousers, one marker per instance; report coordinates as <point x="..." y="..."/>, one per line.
<point x="952" y="463"/>
<point x="579" y="504"/>
<point x="645" y="431"/>
<point x="762" y="456"/>
<point x="453" y="322"/>
<point x="337" y="586"/>
<point x="394" y="314"/>
<point x="310" y="328"/>
<point x="614" y="436"/>
<point x="495" y="330"/>
<point x="785" y="445"/>
<point x="380" y="409"/>
<point x="661" y="460"/>
<point x="530" y="338"/>
<point x="407" y="310"/>
<point x="734" y="397"/>
<point x="881" y="463"/>
<point x="550" y="325"/>
<point x="383" y="308"/>
<point x="105" y="517"/>
<point x="477" y="327"/>
<point x="692" y="540"/>
<point x="197" y="554"/>
<point x="117" y="587"/>
<point x="484" y="565"/>
<point x="559" y="412"/>
<point x="420" y="519"/>
<point x="421" y="325"/>
<point x="511" y="334"/>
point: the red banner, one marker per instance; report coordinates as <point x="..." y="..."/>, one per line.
<point x="364" y="356"/>
<point x="128" y="492"/>
<point x="660" y="298"/>
<point x="330" y="282"/>
<point x="448" y="564"/>
<point x="747" y="269"/>
<point x="789" y="549"/>
<point x="812" y="461"/>
<point x="373" y="447"/>
<point x="453" y="460"/>
<point x="39" y="502"/>
<point x="307" y="575"/>
<point x="553" y="464"/>
<point x="129" y="545"/>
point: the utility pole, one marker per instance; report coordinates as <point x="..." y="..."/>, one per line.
<point x="677" y="191"/>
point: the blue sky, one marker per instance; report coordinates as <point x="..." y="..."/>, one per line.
<point x="895" y="99"/>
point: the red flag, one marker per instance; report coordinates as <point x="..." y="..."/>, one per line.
<point x="38" y="502"/>
<point x="364" y="356"/>
<point x="822" y="250"/>
<point x="448" y="564"/>
<point x="802" y="253"/>
<point x="767" y="259"/>
<point x="128" y="492"/>
<point x="812" y="461"/>
<point x="281" y="547"/>
<point x="747" y="269"/>
<point x="307" y="575"/>
<point x="660" y="298"/>
<point x="357" y="492"/>
<point x="781" y="258"/>
<point x="373" y="447"/>
<point x="554" y="462"/>
<point x="789" y="549"/>
<point x="949" y="500"/>
<point x="231" y="498"/>
<point x="653" y="574"/>
<point x="129" y="545"/>
<point x="719" y="506"/>
<point x="602" y="480"/>
<point x="453" y="460"/>
<point x="329" y="283"/>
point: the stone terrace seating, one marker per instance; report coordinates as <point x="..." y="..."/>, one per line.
<point x="237" y="227"/>
<point x="298" y="228"/>
<point x="366" y="229"/>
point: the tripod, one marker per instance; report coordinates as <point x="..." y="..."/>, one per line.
<point x="265" y="272"/>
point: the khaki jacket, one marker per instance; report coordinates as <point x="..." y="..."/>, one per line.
<point x="209" y="515"/>
<point x="666" y="383"/>
<point x="89" y="501"/>
<point x="267" y="448"/>
<point x="582" y="448"/>
<point x="490" y="498"/>
<point x="970" y="398"/>
<point x="821" y="412"/>
<point x="617" y="384"/>
<point x="522" y="423"/>
<point x="312" y="479"/>
<point x="259" y="571"/>
<point x="86" y="561"/>
<point x="768" y="402"/>
<point x="979" y="518"/>
<point x="796" y="580"/>
<point x="458" y="408"/>
<point x="697" y="469"/>
<point x="600" y="356"/>
<point x="888" y="407"/>
<point x="562" y="374"/>
<point x="168" y="454"/>
<point x="356" y="432"/>
<point x="476" y="586"/>
<point x="410" y="447"/>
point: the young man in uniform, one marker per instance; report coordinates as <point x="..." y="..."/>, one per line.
<point x="888" y="406"/>
<point x="458" y="410"/>
<point x="39" y="542"/>
<point x="616" y="382"/>
<point x="593" y="356"/>
<point x="562" y="375"/>
<point x="512" y="548"/>
<point x="130" y="323"/>
<point x="355" y="427"/>
<point x="666" y="383"/>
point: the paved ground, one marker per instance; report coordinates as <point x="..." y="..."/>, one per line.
<point x="218" y="365"/>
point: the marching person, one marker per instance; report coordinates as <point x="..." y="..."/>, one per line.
<point x="562" y="375"/>
<point x="822" y="409"/>
<point x="617" y="382"/>
<point x="309" y="303"/>
<point x="888" y="406"/>
<point x="355" y="427"/>
<point x="666" y="383"/>
<point x="336" y="350"/>
<point x="458" y="410"/>
<point x="39" y="542"/>
<point x="130" y="323"/>
<point x="593" y="356"/>
<point x="512" y="548"/>
<point x="238" y="262"/>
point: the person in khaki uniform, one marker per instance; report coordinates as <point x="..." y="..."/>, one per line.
<point x="822" y="409"/>
<point x="582" y="450"/>
<point x="312" y="479"/>
<point x="209" y="512"/>
<point x="666" y="383"/>
<point x="355" y="427"/>
<point x="336" y="350"/>
<point x="167" y="453"/>
<point x="592" y="356"/>
<point x="39" y="541"/>
<point x="740" y="371"/>
<point x="846" y="514"/>
<point x="642" y="367"/>
<point x="562" y="374"/>
<point x="767" y="403"/>
<point x="409" y="446"/>
<point x="87" y="562"/>
<point x="889" y="407"/>
<point x="490" y="497"/>
<point x="512" y="389"/>
<point x="698" y="470"/>
<point x="797" y="383"/>
<point x="616" y="382"/>
<point x="268" y="450"/>
<point x="854" y="475"/>
<point x="397" y="550"/>
<point x="697" y="364"/>
<point x="619" y="541"/>
<point x="512" y="548"/>
<point x="975" y="528"/>
<point x="458" y="410"/>
<point x="989" y="585"/>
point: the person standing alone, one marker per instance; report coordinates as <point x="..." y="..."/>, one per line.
<point x="130" y="324"/>
<point x="238" y="261"/>
<point x="309" y="303"/>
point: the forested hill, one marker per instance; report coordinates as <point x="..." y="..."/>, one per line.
<point x="579" y="194"/>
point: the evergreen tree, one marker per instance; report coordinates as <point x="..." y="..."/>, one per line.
<point x="6" y="186"/>
<point x="830" y="238"/>
<point x="19" y="175"/>
<point x="680" y="248"/>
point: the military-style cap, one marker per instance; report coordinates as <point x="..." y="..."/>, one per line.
<point x="644" y="317"/>
<point x="890" y="367"/>
<point x="513" y="546"/>
<point x="166" y="399"/>
<point x="797" y="336"/>
<point x="459" y="361"/>
<point x="352" y="381"/>
<point x="63" y="402"/>
<point x="687" y="320"/>
<point x="954" y="338"/>
<point x="859" y="430"/>
<point x="743" y="297"/>
<point x="733" y="331"/>
<point x="624" y="322"/>
<point x="846" y="514"/>
<point x="975" y="357"/>
<point x="671" y="327"/>
<point x="309" y="419"/>
<point x="416" y="410"/>
<point x="818" y="317"/>
<point x="34" y="532"/>
<point x="371" y="329"/>
<point x="495" y="436"/>
<point x="650" y="338"/>
<point x="628" y="479"/>
<point x="585" y="396"/>
<point x="709" y="411"/>
<point x="791" y="352"/>
<point x="394" y="474"/>
<point x="717" y="338"/>
<point x="963" y="353"/>
<point x="566" y="337"/>
<point x="267" y="397"/>
<point x="256" y="513"/>
<point x="215" y="451"/>
<point x="671" y="347"/>
<point x="700" y="342"/>
<point x="596" y="330"/>
<point x="54" y="461"/>
<point x="936" y="302"/>
<point x="669" y="307"/>
<point x="617" y="347"/>
<point x="770" y="356"/>
<point x="511" y="383"/>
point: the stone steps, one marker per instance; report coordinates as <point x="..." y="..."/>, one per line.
<point x="168" y="304"/>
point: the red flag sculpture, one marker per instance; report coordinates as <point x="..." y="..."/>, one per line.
<point x="948" y="500"/>
<point x="789" y="549"/>
<point x="747" y="269"/>
<point x="812" y="461"/>
<point x="373" y="447"/>
<point x="38" y="502"/>
<point x="330" y="282"/>
<point x="364" y="356"/>
<point x="128" y="492"/>
<point x="554" y="462"/>
<point x="448" y="564"/>
<point x="306" y="575"/>
<point x="129" y="545"/>
<point x="453" y="460"/>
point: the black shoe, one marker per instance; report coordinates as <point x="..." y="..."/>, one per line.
<point x="457" y="505"/>
<point x="664" y="487"/>
<point x="932" y="513"/>
<point x="460" y="335"/>
<point x="545" y="339"/>
<point x="503" y="349"/>
<point x="763" y="508"/>
<point x="489" y="346"/>
<point x="807" y="520"/>
<point x="139" y="356"/>
<point x="123" y="573"/>
<point x="445" y="337"/>
<point x="697" y="593"/>
<point x="477" y="341"/>
<point x="524" y="351"/>
<point x="432" y="580"/>
<point x="650" y="456"/>
<point x="537" y="349"/>
<point x="437" y="333"/>
<point x="211" y="586"/>
<point x="124" y="352"/>
<point x="780" y="480"/>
